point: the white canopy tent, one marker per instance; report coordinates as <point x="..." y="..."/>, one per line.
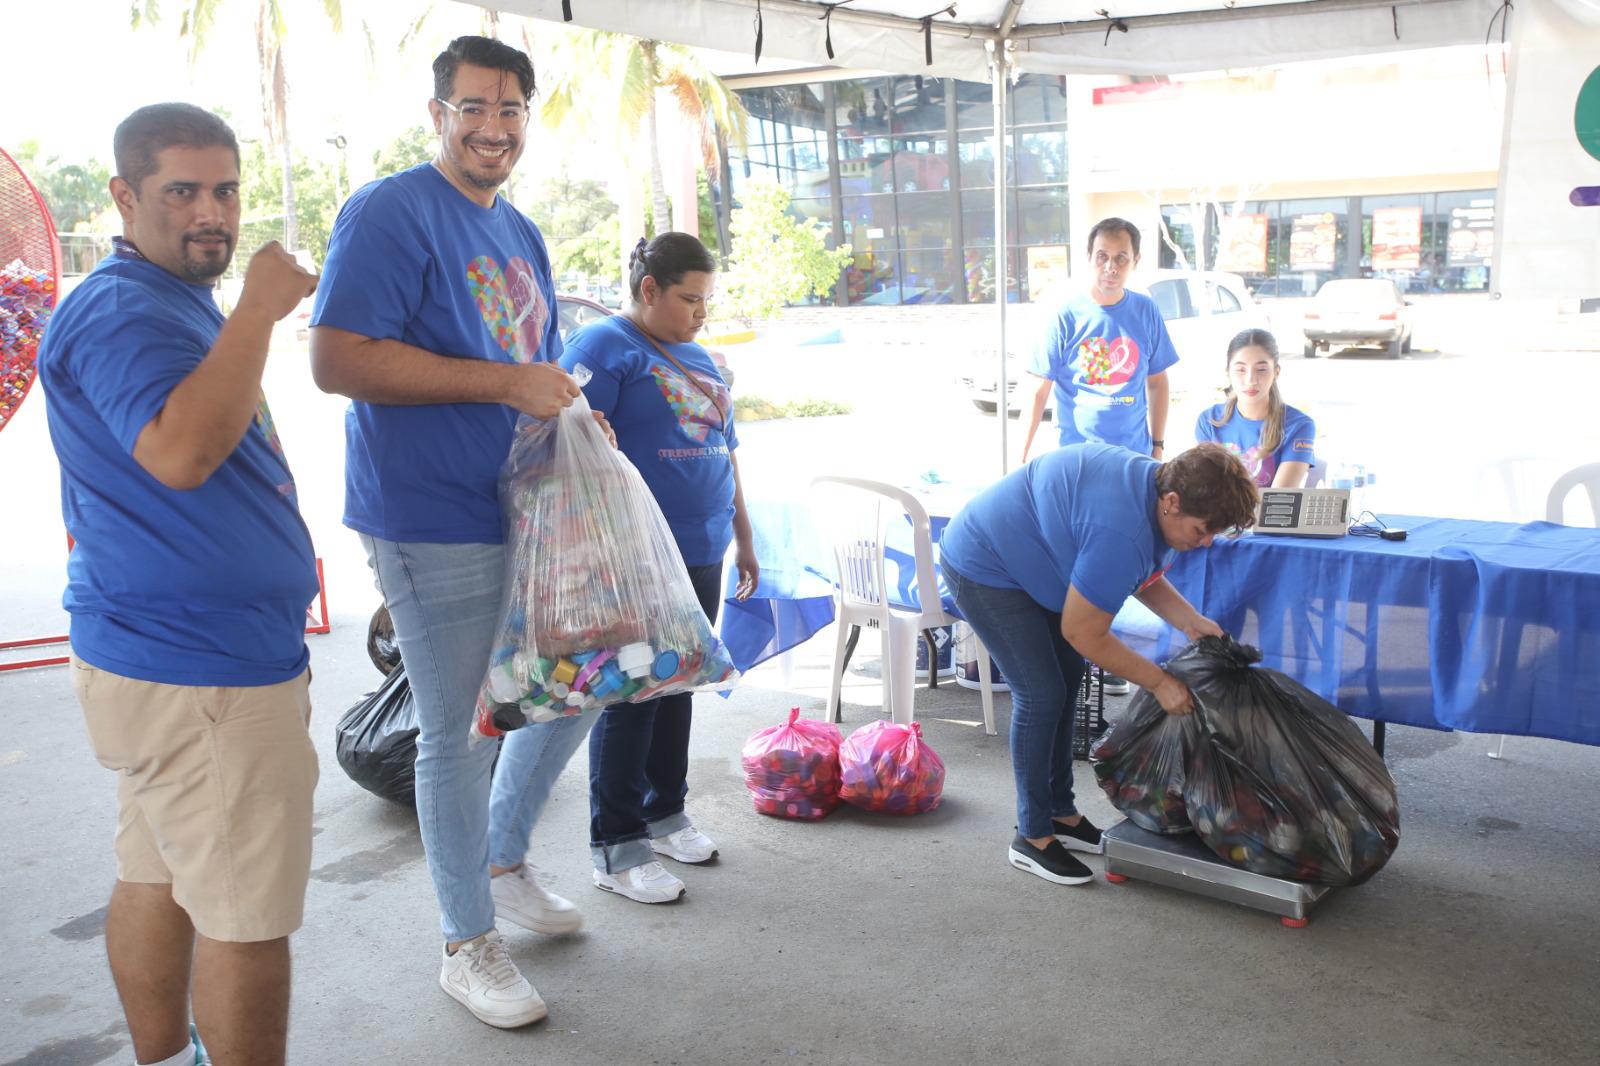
<point x="991" y="40"/>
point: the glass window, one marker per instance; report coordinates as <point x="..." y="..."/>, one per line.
<point x="1172" y="299"/>
<point x="1392" y="239"/>
<point x="865" y="165"/>
<point x="819" y="209"/>
<point x="871" y="278"/>
<point x="977" y="218"/>
<point x="925" y="220"/>
<point x="1222" y="301"/>
<point x="921" y="163"/>
<point x="979" y="270"/>
<point x="1314" y="233"/>
<point x="1040" y="157"/>
<point x="930" y="277"/>
<point x="869" y="223"/>
<point x="784" y="112"/>
<point x="975" y="152"/>
<point x="1037" y="99"/>
<point x="1463" y="246"/>
<point x="1040" y="215"/>
<point x="918" y="105"/>
<point x="974" y="106"/>
<point x="862" y="107"/>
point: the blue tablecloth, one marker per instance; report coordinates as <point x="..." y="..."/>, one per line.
<point x="795" y="597"/>
<point x="1482" y="626"/>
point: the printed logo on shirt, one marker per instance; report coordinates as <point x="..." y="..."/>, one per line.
<point x="511" y="304"/>
<point x="1302" y="446"/>
<point x="697" y="416"/>
<point x="1106" y="361"/>
<point x="269" y="429"/>
<point x="1250" y="457"/>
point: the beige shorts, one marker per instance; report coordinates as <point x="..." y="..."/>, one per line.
<point x="214" y="792"/>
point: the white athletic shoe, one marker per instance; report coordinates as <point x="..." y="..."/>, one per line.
<point x="482" y="978"/>
<point x="686" y="845"/>
<point x="518" y="897"/>
<point x="649" y="883"/>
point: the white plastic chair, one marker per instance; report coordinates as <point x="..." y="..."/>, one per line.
<point x="1586" y="477"/>
<point x="855" y="516"/>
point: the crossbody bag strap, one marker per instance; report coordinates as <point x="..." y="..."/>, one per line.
<point x="696" y="382"/>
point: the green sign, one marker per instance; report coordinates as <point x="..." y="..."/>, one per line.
<point x="1586" y="116"/>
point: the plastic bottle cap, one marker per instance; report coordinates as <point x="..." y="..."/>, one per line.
<point x="666" y="665"/>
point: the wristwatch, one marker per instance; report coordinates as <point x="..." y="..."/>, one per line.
<point x="1158" y="444"/>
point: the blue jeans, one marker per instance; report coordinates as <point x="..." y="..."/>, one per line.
<point x="444" y="600"/>
<point x="639" y="763"/>
<point x="1044" y="672"/>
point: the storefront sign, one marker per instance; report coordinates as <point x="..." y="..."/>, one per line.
<point x="1471" y="240"/>
<point x="1397" y="238"/>
<point x="1047" y="271"/>
<point x="1311" y="241"/>
<point x="1243" y="245"/>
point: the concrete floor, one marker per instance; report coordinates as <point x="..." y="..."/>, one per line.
<point x="864" y="938"/>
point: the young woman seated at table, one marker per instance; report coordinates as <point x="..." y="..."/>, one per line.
<point x="1275" y="441"/>
<point x="1039" y="564"/>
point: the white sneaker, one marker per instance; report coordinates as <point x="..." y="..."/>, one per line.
<point x="686" y="845"/>
<point x="519" y="897"/>
<point x="649" y="883"/>
<point x="482" y="978"/>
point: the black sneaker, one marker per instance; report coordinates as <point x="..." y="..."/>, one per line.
<point x="1083" y="837"/>
<point x="1051" y="862"/>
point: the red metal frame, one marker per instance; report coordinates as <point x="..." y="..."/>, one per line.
<point x="316" y="622"/>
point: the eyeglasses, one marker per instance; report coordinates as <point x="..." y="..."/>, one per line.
<point x="475" y="117"/>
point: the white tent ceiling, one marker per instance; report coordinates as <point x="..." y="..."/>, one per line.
<point x="1046" y="36"/>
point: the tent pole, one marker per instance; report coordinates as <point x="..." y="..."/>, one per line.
<point x="997" y="56"/>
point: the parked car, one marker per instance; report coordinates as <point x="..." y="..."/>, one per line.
<point x="1202" y="310"/>
<point x="574" y="311"/>
<point x="1355" y="312"/>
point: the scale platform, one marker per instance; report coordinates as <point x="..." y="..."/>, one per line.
<point x="1185" y="862"/>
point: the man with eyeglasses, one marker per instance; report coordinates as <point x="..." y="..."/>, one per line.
<point x="1105" y="356"/>
<point x="436" y="316"/>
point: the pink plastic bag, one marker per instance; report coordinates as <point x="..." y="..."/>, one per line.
<point x="792" y="770"/>
<point x="888" y="767"/>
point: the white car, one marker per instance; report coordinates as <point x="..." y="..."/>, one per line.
<point x="1203" y="311"/>
<point x="1358" y="311"/>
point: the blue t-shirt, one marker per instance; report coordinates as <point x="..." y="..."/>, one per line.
<point x="1100" y="358"/>
<point x="1242" y="437"/>
<point x="205" y="586"/>
<point x="667" y="426"/>
<point x="412" y="259"/>
<point x="1083" y="516"/>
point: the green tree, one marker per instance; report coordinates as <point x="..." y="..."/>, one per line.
<point x="580" y="226"/>
<point x="76" y="193"/>
<point x="612" y="79"/>
<point x="316" y="203"/>
<point x="272" y="35"/>
<point x="778" y="257"/>
<point x="416" y="145"/>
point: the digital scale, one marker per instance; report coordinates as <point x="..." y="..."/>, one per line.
<point x="1185" y="862"/>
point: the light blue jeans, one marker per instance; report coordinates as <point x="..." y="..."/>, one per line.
<point x="444" y="600"/>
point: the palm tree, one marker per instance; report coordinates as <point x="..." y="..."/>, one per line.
<point x="271" y="37"/>
<point x="595" y="62"/>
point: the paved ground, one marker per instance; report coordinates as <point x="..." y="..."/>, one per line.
<point x="863" y="938"/>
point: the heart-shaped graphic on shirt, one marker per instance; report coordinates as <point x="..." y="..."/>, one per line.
<point x="514" y="311"/>
<point x="1107" y="360"/>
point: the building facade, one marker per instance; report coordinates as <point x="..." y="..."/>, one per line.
<point x="1287" y="176"/>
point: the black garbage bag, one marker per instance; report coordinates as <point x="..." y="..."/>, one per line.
<point x="1282" y="782"/>
<point x="376" y="740"/>
<point x="1140" y="763"/>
